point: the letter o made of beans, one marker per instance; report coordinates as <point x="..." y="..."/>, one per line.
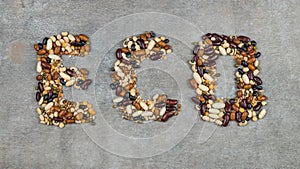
<point x="53" y="75"/>
<point x="249" y="100"/>
<point x="134" y="51"/>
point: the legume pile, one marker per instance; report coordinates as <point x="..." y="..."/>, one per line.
<point x="135" y="50"/>
<point x="53" y="75"/>
<point x="249" y="100"/>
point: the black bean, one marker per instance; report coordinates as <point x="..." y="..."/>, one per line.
<point x="82" y="107"/>
<point x="46" y="97"/>
<point x="112" y="86"/>
<point x="133" y="47"/>
<point x="240" y="70"/>
<point x="128" y="54"/>
<point x="244" y="63"/>
<point x="231" y="101"/>
<point x="253" y="43"/>
<point x="62" y="81"/>
<point x="132" y="97"/>
<point x="40" y="46"/>
<point x="152" y="34"/>
<point x="248" y="118"/>
<point x="205" y="96"/>
<point x="249" y="106"/>
<point x="80" y="82"/>
<point x="255" y="93"/>
<point x="82" y="43"/>
<point x="257" y="55"/>
<point x="54" y="96"/>
<point x="166" y="40"/>
<point x="45" y="40"/>
<point x="136" y="118"/>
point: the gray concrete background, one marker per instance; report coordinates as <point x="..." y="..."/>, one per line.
<point x="269" y="143"/>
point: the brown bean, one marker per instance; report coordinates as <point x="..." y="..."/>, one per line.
<point x="41" y="52"/>
<point x="39" y="77"/>
<point x="137" y="105"/>
<point x="55" y="76"/>
<point x="249" y="99"/>
<point x="239" y="93"/>
<point x="70" y="121"/>
<point x="193" y="83"/>
<point x="235" y="108"/>
<point x="248" y="86"/>
<point x="261" y="98"/>
<point x="56" y="50"/>
<point x="252" y="60"/>
<point x="83" y="37"/>
<point x="232" y="116"/>
<point x="125" y="50"/>
<point x="244" y="116"/>
<point x="251" y="67"/>
<point x="62" y="113"/>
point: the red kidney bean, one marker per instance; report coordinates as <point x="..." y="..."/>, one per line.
<point x="243" y="38"/>
<point x="243" y="103"/>
<point x="224" y="37"/>
<point x="126" y="62"/>
<point x="127" y="102"/>
<point x="46" y="65"/>
<point x="203" y="109"/>
<point x="196" y="100"/>
<point x="119" y="54"/>
<point x="232" y="45"/>
<point x="213" y="57"/>
<point x="171" y="102"/>
<point x="38" y="96"/>
<point x="50" y="93"/>
<point x="216" y="43"/>
<point x="211" y="63"/>
<point x="40" y="87"/>
<point x="166" y="116"/>
<point x="238" y="117"/>
<point x="212" y="97"/>
<point x="217" y="36"/>
<point x="250" y="75"/>
<point x="171" y="108"/>
<point x="210" y="53"/>
<point x="209" y="35"/>
<point x="85" y="84"/>
<point x="118" y="90"/>
<point x="88" y="81"/>
<point x="257" y="80"/>
<point x="141" y="43"/>
<point x="226" y="120"/>
<point x="196" y="49"/>
<point x="58" y="119"/>
<point x="70" y="72"/>
<point x="227" y="107"/>
<point x="156" y="56"/>
<point x="200" y="71"/>
<point x="160" y="104"/>
<point x="195" y="58"/>
<point x="257" y="107"/>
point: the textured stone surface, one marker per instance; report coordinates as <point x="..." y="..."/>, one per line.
<point x="270" y="143"/>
